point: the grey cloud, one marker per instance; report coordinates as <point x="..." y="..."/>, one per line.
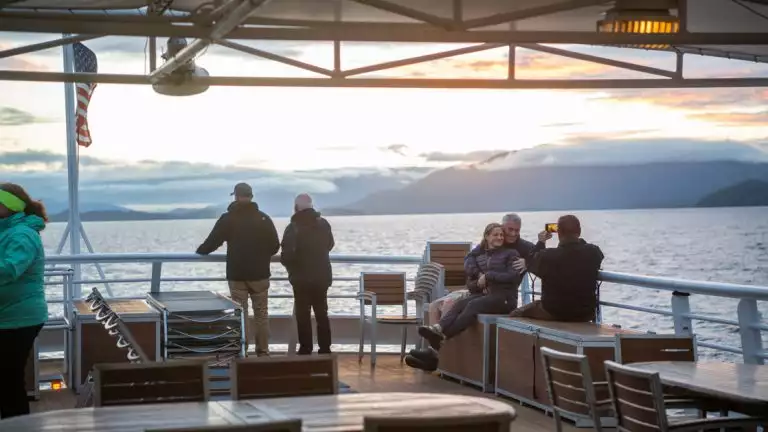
<point x="397" y="148"/>
<point x="474" y="156"/>
<point x="156" y="183"/>
<point x="15" y="117"/>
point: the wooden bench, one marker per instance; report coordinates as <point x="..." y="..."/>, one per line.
<point x="519" y="370"/>
<point x="470" y="357"/>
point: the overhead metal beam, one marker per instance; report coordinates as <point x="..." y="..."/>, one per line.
<point x="419" y="59"/>
<point x="274" y="57"/>
<point x="600" y="60"/>
<point x="26" y="49"/>
<point x="408" y="12"/>
<point x="221" y="28"/>
<point x="373" y="33"/>
<point x="559" y="84"/>
<point x="533" y="12"/>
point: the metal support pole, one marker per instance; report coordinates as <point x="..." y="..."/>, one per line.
<point x="72" y="163"/>
<point x="681" y="309"/>
<point x="74" y="229"/>
<point x="751" y="339"/>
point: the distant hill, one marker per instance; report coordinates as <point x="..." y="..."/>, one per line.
<point x="745" y="194"/>
<point x="211" y="212"/>
<point x="132" y="215"/>
<point x="478" y="189"/>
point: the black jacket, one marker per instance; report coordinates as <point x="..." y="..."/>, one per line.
<point x="251" y="241"/>
<point x="306" y="243"/>
<point x="568" y="278"/>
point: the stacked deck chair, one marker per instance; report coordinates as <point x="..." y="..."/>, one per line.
<point x="116" y="328"/>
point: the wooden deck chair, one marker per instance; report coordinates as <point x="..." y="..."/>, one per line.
<point x="150" y="383"/>
<point x="638" y="348"/>
<point x="571" y="389"/>
<point x="638" y="403"/>
<point x="384" y="289"/>
<point x="451" y="256"/>
<point x="474" y="423"/>
<point x="270" y="377"/>
<point x="274" y="426"/>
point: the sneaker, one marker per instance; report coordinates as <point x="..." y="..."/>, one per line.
<point x="433" y="336"/>
<point x="425" y="365"/>
<point x="324" y="351"/>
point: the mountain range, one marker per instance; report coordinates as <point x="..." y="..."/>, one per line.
<point x="596" y="175"/>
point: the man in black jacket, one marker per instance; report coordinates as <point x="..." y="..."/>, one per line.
<point x="568" y="276"/>
<point x="307" y="241"/>
<point x="251" y="242"/>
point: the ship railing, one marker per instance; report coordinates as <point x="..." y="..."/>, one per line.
<point x="748" y="323"/>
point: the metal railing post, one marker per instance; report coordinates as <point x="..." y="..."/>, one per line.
<point x="525" y="289"/>
<point x="157" y="272"/>
<point x="681" y="310"/>
<point x="751" y="339"/>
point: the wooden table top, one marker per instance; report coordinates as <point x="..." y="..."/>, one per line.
<point x="733" y="381"/>
<point x="327" y="413"/>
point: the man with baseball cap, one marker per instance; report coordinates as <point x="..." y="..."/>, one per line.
<point x="251" y="242"/>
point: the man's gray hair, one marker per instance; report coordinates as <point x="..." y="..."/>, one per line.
<point x="511" y="217"/>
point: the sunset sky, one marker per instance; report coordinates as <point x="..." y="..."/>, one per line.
<point x="274" y="129"/>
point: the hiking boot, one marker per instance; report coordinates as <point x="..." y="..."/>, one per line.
<point x="424" y="354"/>
<point x="425" y="365"/>
<point x="432" y="335"/>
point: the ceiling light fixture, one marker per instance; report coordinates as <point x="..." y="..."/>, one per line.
<point x="641" y="17"/>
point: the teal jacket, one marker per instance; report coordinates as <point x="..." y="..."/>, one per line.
<point x="22" y="264"/>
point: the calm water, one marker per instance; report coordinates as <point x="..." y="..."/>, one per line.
<point x="727" y="245"/>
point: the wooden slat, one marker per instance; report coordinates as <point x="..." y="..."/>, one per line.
<point x="440" y="247"/>
<point x="280" y="377"/>
<point x="635" y="349"/>
<point x="190" y="390"/>
<point x="143" y="372"/>
<point x="386" y="277"/>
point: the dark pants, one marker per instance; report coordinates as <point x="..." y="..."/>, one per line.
<point x="465" y="311"/>
<point x="308" y="298"/>
<point x="15" y="346"/>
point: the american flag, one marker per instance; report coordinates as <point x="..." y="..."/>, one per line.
<point x="85" y="62"/>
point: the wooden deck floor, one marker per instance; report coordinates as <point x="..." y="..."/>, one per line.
<point x="388" y="376"/>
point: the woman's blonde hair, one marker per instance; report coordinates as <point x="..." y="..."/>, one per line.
<point x="488" y="229"/>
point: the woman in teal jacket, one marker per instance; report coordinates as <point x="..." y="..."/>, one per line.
<point x="23" y="309"/>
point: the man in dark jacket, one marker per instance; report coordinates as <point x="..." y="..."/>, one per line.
<point x="568" y="276"/>
<point x="251" y="242"/>
<point x="307" y="241"/>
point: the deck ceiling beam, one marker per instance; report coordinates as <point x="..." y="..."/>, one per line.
<point x="26" y="49"/>
<point x="230" y="19"/>
<point x="408" y="12"/>
<point x="518" y="15"/>
<point x="417" y="34"/>
<point x="600" y="60"/>
<point x="560" y="84"/>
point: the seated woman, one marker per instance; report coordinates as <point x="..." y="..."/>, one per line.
<point x="492" y="283"/>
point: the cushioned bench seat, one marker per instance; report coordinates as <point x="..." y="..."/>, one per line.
<point x="470" y="357"/>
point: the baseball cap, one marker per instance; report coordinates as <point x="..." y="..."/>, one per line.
<point x="242" y="190"/>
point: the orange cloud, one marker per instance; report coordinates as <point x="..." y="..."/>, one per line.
<point x="734" y="118"/>
<point x="19" y="62"/>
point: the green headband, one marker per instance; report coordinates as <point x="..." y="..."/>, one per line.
<point x="12" y="202"/>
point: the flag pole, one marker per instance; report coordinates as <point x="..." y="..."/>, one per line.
<point x="73" y="221"/>
<point x="74" y="229"/>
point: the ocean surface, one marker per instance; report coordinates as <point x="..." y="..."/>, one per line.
<point x="724" y="245"/>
